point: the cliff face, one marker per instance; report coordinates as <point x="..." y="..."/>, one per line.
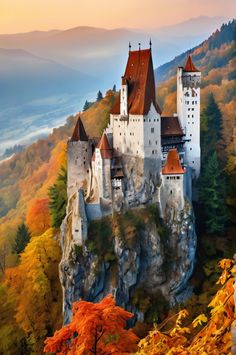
<point x="134" y="256"/>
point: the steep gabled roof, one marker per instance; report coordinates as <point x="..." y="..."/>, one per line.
<point x="173" y="165"/>
<point x="189" y="66"/>
<point x="104" y="147"/>
<point x="170" y="126"/>
<point x="139" y="77"/>
<point x="79" y="133"/>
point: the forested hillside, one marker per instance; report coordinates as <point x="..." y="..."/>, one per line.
<point x="29" y="248"/>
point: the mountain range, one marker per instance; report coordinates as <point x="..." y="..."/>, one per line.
<point x="45" y="76"/>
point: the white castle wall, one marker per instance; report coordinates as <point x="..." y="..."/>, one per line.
<point x="137" y="135"/>
<point x="102" y="172"/>
<point x="188" y="109"/>
<point x="78" y="165"/>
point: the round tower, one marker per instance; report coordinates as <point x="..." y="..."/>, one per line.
<point x="79" y="154"/>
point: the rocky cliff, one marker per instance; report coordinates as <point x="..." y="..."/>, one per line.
<point x="134" y="255"/>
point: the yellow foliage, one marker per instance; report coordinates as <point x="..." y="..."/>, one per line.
<point x="213" y="338"/>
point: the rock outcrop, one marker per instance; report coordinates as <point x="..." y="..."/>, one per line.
<point x="132" y="255"/>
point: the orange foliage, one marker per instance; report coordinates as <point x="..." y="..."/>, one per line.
<point x="205" y="335"/>
<point x="95" y="328"/>
<point x="38" y="216"/>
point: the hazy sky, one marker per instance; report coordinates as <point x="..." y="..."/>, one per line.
<point x="27" y="15"/>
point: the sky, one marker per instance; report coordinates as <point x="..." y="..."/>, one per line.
<point x="28" y="15"/>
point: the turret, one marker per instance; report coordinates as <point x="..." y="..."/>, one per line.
<point x="188" y="109"/>
<point x="124" y="97"/>
<point x="172" y="187"/>
<point x="103" y="156"/>
<point x="78" y="159"/>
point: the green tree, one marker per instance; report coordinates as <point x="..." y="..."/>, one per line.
<point x="58" y="199"/>
<point x="87" y="105"/>
<point x="99" y="96"/>
<point x="211" y="121"/>
<point x="213" y="194"/>
<point x="22" y="238"/>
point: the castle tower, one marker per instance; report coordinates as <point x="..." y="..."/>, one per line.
<point x="78" y="159"/>
<point x="172" y="185"/>
<point x="103" y="156"/>
<point x="188" y="110"/>
<point x="135" y="117"/>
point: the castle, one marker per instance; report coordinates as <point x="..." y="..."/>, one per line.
<point x="142" y="156"/>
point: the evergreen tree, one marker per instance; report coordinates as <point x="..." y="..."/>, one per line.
<point x="114" y="88"/>
<point x="86" y="105"/>
<point x="58" y="199"/>
<point x="22" y="238"/>
<point x="212" y="194"/>
<point x="99" y="96"/>
<point x="211" y="121"/>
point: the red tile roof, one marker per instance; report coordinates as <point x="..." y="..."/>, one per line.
<point x="104" y="147"/>
<point x="172" y="165"/>
<point x="139" y="76"/>
<point x="189" y="66"/>
<point x="170" y="126"/>
<point x="79" y="133"/>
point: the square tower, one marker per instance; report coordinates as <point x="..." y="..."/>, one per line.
<point x="188" y="110"/>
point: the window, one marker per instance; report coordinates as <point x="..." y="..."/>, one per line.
<point x="156" y="142"/>
<point x="154" y="120"/>
<point x="152" y="130"/>
<point x="193" y="102"/>
<point x="191" y="149"/>
<point x="193" y="162"/>
<point x="192" y="116"/>
<point x="150" y="142"/>
<point x="167" y="177"/>
<point x="171" y="192"/>
<point x="144" y="120"/>
<point x="188" y="116"/>
<point x="178" y="177"/>
<point x="188" y="109"/>
<point x="158" y="120"/>
<point x="149" y="120"/>
<point x="192" y="109"/>
<point x="190" y="135"/>
<point x="152" y="151"/>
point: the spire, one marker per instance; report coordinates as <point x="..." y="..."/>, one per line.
<point x="139" y="46"/>
<point x="172" y="165"/>
<point x="104" y="147"/>
<point x="189" y="66"/>
<point x="150" y="44"/>
<point x="129" y="47"/>
<point x="79" y="133"/>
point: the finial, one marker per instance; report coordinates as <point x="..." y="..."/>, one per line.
<point x="139" y="46"/>
<point x="150" y="43"/>
<point x="129" y="46"/>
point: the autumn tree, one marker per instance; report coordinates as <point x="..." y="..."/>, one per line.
<point x="38" y="216"/>
<point x="34" y="283"/>
<point x="205" y="334"/>
<point x="22" y="238"/>
<point x="95" y="329"/>
<point x="58" y="199"/>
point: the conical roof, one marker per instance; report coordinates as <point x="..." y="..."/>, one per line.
<point x="104" y="147"/>
<point x="79" y="133"/>
<point x="189" y="66"/>
<point x="173" y="165"/>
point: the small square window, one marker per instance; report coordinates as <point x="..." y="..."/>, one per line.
<point x="152" y="130"/>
